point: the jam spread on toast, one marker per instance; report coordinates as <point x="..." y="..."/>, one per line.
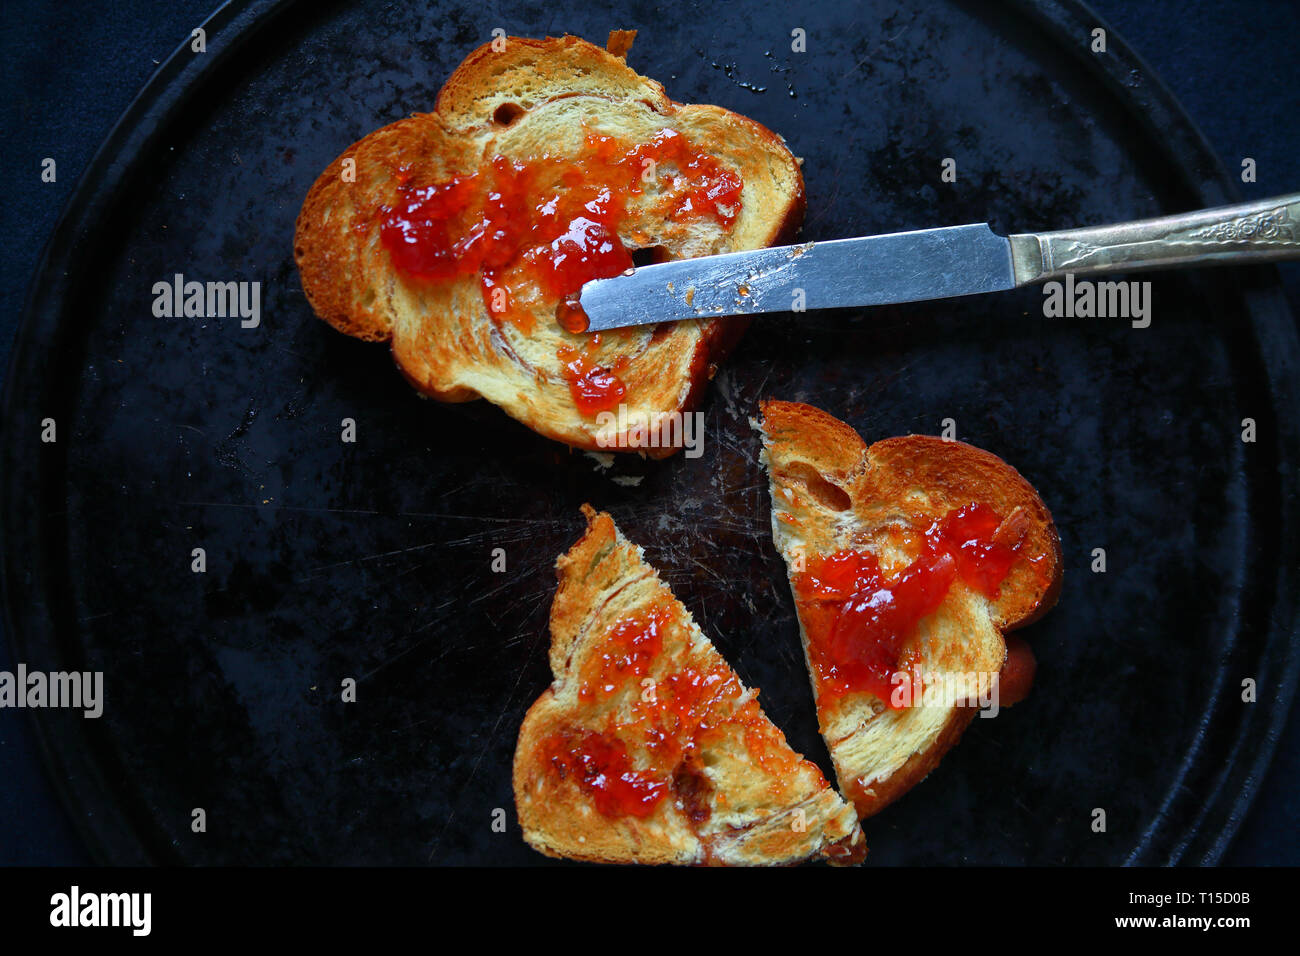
<point x="544" y="225"/>
<point x="630" y="647"/>
<point x="857" y="617"/>
<point x="571" y="316"/>
<point x="600" y="765"/>
<point x="667" y="721"/>
<point x="595" y="388"/>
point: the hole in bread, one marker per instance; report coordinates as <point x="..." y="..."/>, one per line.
<point x="649" y="255"/>
<point x="661" y="332"/>
<point x="507" y="113"/>
<point x="826" y="493"/>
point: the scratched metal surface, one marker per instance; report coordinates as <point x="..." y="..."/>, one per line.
<point x="371" y="560"/>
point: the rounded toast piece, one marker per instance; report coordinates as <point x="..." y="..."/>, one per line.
<point x="831" y="492"/>
<point x="698" y="774"/>
<point x="526" y="99"/>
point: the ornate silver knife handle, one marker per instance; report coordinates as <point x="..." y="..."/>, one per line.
<point x="1261" y="231"/>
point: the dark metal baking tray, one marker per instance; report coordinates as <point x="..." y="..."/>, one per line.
<point x="372" y="560"/>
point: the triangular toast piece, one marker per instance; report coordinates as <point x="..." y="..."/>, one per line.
<point x="456" y="234"/>
<point x="908" y="560"/>
<point x="647" y="748"/>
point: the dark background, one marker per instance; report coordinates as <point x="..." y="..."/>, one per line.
<point x="71" y="68"/>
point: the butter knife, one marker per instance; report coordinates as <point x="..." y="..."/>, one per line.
<point x="929" y="264"/>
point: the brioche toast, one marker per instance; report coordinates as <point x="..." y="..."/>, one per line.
<point x="458" y="235"/>
<point x="647" y="747"/>
<point x="909" y="560"/>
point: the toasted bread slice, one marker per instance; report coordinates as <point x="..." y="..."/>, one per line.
<point x="647" y="748"/>
<point x="887" y="583"/>
<point x="401" y="240"/>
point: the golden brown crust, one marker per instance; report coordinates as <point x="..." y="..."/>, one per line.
<point x="442" y="339"/>
<point x="871" y="799"/>
<point x="728" y="804"/>
<point x="620" y="41"/>
<point x="831" y="490"/>
<point x="533" y="68"/>
<point x="329" y="268"/>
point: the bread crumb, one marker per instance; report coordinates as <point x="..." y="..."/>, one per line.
<point x="627" y="481"/>
<point x="620" y="41"/>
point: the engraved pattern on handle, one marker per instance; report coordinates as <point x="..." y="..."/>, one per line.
<point x="1261" y="231"/>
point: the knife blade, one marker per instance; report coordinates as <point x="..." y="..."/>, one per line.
<point x="876" y="270"/>
<point x="928" y="264"/>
